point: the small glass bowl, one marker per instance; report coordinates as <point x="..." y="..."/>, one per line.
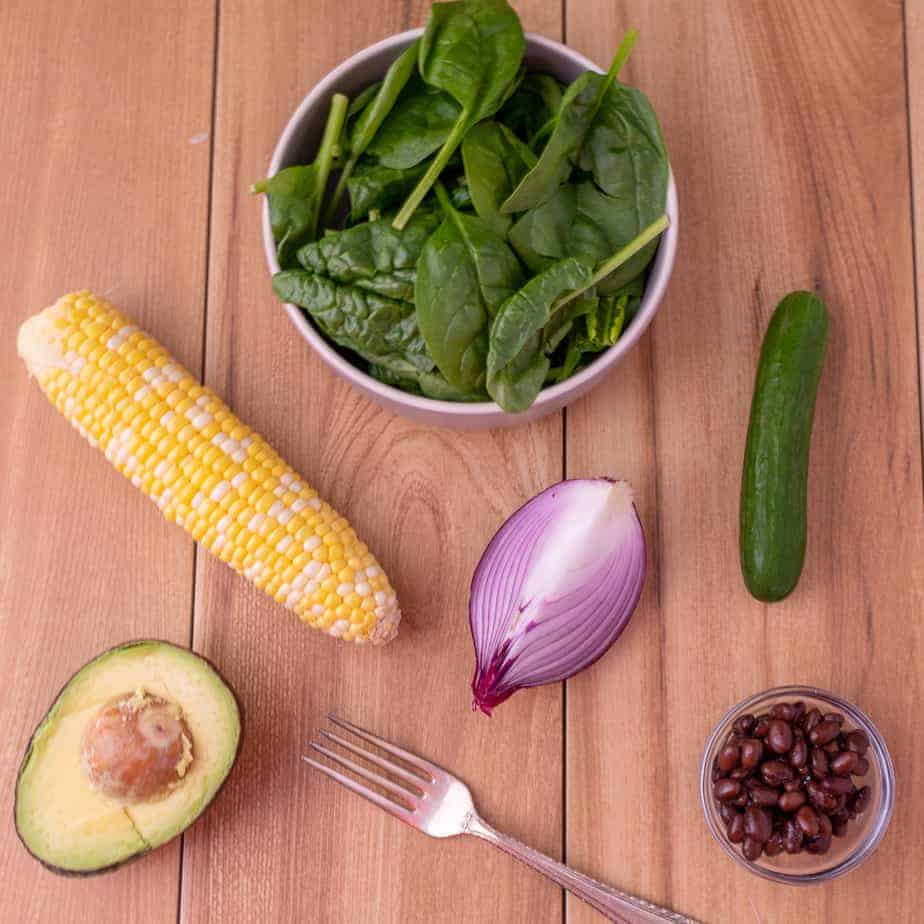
<point x="863" y="833"/>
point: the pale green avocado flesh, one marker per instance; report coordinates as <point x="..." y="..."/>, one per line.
<point x="72" y="827"/>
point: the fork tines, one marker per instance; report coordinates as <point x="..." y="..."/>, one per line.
<point x="399" y="794"/>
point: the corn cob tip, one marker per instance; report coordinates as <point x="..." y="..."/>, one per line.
<point x="183" y="447"/>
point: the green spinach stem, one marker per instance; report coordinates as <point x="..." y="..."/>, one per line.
<point x="325" y="158"/>
<point x="621" y="256"/>
<point x="433" y="172"/>
<point x="369" y="122"/>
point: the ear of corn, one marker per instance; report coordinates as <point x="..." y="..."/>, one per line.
<point x="208" y="472"/>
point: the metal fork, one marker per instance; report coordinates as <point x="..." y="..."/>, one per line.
<point x="426" y="797"/>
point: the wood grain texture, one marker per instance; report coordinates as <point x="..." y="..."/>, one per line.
<point x="290" y="844"/>
<point x="787" y="129"/>
<point x="100" y="188"/>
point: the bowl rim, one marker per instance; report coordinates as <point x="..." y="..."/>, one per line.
<point x="865" y="847"/>
<point x="548" y="398"/>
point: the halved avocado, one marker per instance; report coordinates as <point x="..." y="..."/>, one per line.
<point x="131" y="752"/>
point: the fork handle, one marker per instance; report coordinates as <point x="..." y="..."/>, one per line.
<point x="610" y="902"/>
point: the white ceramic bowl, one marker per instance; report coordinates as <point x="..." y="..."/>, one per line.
<point x="297" y="145"/>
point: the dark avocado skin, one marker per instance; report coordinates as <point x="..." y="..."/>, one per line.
<point x="125" y="646"/>
<point x="776" y="458"/>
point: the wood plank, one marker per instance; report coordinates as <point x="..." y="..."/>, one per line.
<point x="288" y="843"/>
<point x="99" y="187"/>
<point x="787" y="128"/>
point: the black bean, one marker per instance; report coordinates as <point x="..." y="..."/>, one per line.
<point x="752" y="849"/>
<point x="807" y="819"/>
<point x="790" y="801"/>
<point x="798" y="711"/>
<point x="819" y="797"/>
<point x="727" y="812"/>
<point x="740" y="773"/>
<point x="764" y="796"/>
<point x="743" y="724"/>
<point x="726" y="790"/>
<point x="843" y="764"/>
<point x="861" y="767"/>
<point x="775" y="772"/>
<point x="762" y="726"/>
<point x="751" y="751"/>
<point x="742" y="799"/>
<point x="774" y="844"/>
<point x="728" y="757"/>
<point x="861" y="800"/>
<point x="819" y="763"/>
<point x="811" y="719"/>
<point x="783" y="711"/>
<point x="819" y="844"/>
<point x="798" y="756"/>
<point x="757" y="824"/>
<point x="838" y="785"/>
<point x="779" y="737"/>
<point x="792" y="836"/>
<point x="858" y="742"/>
<point x="834" y="717"/>
<point x="824" y="732"/>
<point x="736" y="828"/>
<point x="839" y="824"/>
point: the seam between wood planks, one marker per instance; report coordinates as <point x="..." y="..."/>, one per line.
<point x="205" y="309"/>
<point x="914" y="241"/>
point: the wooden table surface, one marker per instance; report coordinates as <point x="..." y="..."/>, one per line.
<point x="131" y="132"/>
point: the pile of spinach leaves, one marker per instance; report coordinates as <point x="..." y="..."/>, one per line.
<point x="488" y="230"/>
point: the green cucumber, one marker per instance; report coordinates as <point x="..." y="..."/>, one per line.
<point x="775" y="480"/>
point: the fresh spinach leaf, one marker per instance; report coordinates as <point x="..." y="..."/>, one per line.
<point x="516" y="362"/>
<point x="573" y="121"/>
<point x="460" y="195"/>
<point x="563" y="320"/>
<point x="535" y="101"/>
<point x="373" y="255"/>
<point x="295" y="193"/>
<point x="418" y="124"/>
<point x="373" y="187"/>
<point x="428" y="384"/>
<point x="495" y="160"/>
<point x="517" y="385"/>
<point x="371" y="116"/>
<point x="472" y="50"/>
<point x="625" y="152"/>
<point x="381" y="330"/>
<point x="579" y="220"/>
<point x="604" y="325"/>
<point x="464" y="273"/>
<point x="386" y="376"/>
<point x="434" y="385"/>
<point x="593" y="331"/>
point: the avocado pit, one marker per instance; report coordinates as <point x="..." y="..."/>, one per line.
<point x="137" y="747"/>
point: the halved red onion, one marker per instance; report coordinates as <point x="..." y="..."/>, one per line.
<point x="555" y="587"/>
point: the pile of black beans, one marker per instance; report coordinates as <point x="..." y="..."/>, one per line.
<point x="784" y="780"/>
